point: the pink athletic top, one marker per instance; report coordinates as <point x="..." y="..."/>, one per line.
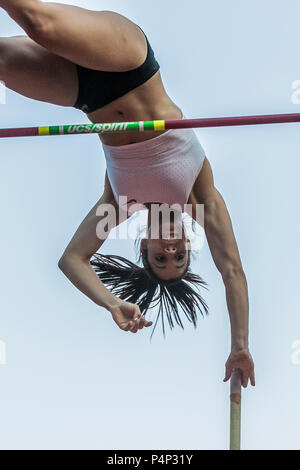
<point x="162" y="169"/>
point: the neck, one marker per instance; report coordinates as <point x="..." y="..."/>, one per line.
<point x="172" y="216"/>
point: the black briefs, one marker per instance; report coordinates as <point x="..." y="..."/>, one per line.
<point x="97" y="88"/>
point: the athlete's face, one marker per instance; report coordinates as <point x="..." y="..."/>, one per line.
<point x="168" y="255"/>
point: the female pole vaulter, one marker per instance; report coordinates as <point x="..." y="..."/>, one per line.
<point x="101" y="63"/>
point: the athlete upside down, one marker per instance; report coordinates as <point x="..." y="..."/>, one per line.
<point x="101" y="63"/>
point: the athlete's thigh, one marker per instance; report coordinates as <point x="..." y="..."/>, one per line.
<point x="34" y="72"/>
<point x="100" y="40"/>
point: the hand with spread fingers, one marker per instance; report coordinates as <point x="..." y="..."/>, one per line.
<point x="128" y="317"/>
<point x="241" y="359"/>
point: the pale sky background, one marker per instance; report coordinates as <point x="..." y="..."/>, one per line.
<point x="72" y="379"/>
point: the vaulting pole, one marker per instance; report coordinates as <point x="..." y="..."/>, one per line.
<point x="141" y="126"/>
<point x="235" y="410"/>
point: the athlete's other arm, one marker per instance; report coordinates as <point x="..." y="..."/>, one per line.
<point x="225" y="253"/>
<point x="75" y="264"/>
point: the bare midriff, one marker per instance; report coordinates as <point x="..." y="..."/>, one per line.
<point x="148" y="102"/>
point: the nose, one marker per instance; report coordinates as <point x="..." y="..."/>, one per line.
<point x="171" y="249"/>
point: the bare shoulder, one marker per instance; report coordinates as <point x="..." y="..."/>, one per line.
<point x="108" y="198"/>
<point x="204" y="184"/>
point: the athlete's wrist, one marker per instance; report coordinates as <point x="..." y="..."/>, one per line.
<point x="113" y="303"/>
<point x="239" y="343"/>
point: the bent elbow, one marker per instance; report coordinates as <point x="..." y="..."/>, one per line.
<point x="62" y="264"/>
<point x="37" y="24"/>
<point x="69" y="261"/>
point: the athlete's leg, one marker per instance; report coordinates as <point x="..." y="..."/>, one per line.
<point x="101" y="40"/>
<point x="36" y="73"/>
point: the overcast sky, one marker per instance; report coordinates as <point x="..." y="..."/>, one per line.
<point x="72" y="379"/>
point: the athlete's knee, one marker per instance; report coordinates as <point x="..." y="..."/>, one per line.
<point x="36" y="21"/>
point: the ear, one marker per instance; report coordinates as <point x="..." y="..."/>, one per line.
<point x="188" y="245"/>
<point x="143" y="244"/>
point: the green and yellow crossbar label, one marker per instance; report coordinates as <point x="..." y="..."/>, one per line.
<point x="138" y="126"/>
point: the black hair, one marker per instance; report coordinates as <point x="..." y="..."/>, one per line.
<point x="140" y="285"/>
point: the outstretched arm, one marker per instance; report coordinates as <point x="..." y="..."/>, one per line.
<point x="225" y="253"/>
<point x="75" y="262"/>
